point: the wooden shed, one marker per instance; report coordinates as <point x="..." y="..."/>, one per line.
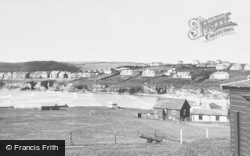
<point x="53" y="106"/>
<point x="173" y="108"/>
<point x="239" y="116"/>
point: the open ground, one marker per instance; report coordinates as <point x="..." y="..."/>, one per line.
<point x="93" y="130"/>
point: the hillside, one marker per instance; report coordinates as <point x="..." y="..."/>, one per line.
<point x="37" y="66"/>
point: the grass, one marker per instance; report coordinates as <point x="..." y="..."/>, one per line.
<point x="93" y="129"/>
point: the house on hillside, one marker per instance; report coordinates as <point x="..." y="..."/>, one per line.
<point x="7" y="76"/>
<point x="107" y="71"/>
<point x="182" y="75"/>
<point x="209" y="115"/>
<point x="121" y="68"/>
<point x="39" y="75"/>
<point x="201" y="65"/>
<point x="1" y="75"/>
<point x="239" y="116"/>
<point x="155" y="64"/>
<point x="214" y="106"/>
<point x="218" y="61"/>
<point x="219" y="75"/>
<point x="148" y="73"/>
<point x="126" y="72"/>
<point x="141" y="65"/>
<point x="170" y="72"/>
<point x="174" y="109"/>
<point x="247" y="67"/>
<point x="62" y="75"/>
<point x="236" y="66"/>
<point x="221" y="67"/>
<point x="54" y="74"/>
<point x="19" y="75"/>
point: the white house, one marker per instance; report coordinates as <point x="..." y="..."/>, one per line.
<point x="7" y="75"/>
<point x="19" y="75"/>
<point x="170" y="71"/>
<point x="209" y="115"/>
<point x="201" y="65"/>
<point x="54" y="74"/>
<point x="247" y="67"/>
<point x="219" y="75"/>
<point x="126" y="72"/>
<point x="236" y="66"/>
<point x="183" y="75"/>
<point x="107" y="71"/>
<point x="221" y="67"/>
<point x="1" y="75"/>
<point x="155" y="63"/>
<point x="148" y="73"/>
<point x="121" y="68"/>
<point x="218" y="61"/>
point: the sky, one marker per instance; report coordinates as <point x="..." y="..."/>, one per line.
<point x="119" y="30"/>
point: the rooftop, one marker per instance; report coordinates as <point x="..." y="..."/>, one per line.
<point x="169" y="103"/>
<point x="238" y="84"/>
<point x="200" y="111"/>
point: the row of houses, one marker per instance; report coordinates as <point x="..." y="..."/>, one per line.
<point x="181" y="109"/>
<point x="151" y="73"/>
<point x="152" y="64"/>
<point x="236" y="66"/>
<point x="43" y="75"/>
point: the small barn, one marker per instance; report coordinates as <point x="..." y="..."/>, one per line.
<point x="239" y="116"/>
<point x="209" y="115"/>
<point x="174" y="109"/>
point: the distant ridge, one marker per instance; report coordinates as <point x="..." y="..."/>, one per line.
<point x="37" y="66"/>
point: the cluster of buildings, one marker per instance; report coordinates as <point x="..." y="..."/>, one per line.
<point x="152" y="64"/>
<point x="184" y="110"/>
<point x="151" y="73"/>
<point x="52" y="74"/>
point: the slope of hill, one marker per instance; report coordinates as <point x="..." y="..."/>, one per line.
<point x="37" y="66"/>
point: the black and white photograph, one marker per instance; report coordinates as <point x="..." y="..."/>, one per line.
<point x="124" y="78"/>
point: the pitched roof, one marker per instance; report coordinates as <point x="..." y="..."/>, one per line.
<point x="200" y="111"/>
<point x="239" y="84"/>
<point x="213" y="105"/>
<point x="167" y="103"/>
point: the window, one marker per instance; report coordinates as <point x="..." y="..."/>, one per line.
<point x="184" y="112"/>
<point x="217" y="118"/>
<point x="174" y="112"/>
<point x="200" y="117"/>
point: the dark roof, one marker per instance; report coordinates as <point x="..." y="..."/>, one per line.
<point x="200" y="111"/>
<point x="167" y="103"/>
<point x="213" y="105"/>
<point x="244" y="84"/>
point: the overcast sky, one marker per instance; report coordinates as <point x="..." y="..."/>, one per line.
<point x="118" y="30"/>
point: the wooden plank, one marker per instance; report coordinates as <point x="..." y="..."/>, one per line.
<point x="236" y="134"/>
<point x="238" y="108"/>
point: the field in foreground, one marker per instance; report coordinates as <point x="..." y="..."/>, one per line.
<point x="93" y="130"/>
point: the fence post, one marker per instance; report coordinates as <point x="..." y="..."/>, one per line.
<point x="71" y="139"/>
<point x="181" y="136"/>
<point x="115" y="136"/>
<point x="155" y="134"/>
<point x="207" y="133"/>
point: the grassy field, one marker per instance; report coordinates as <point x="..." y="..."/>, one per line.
<point x="93" y="130"/>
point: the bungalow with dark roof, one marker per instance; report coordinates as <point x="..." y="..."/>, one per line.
<point x="173" y="108"/>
